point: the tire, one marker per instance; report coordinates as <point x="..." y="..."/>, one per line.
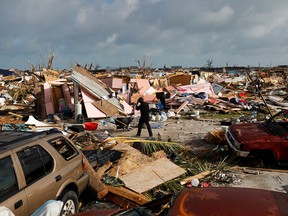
<point x="264" y="159"/>
<point x="70" y="203"/>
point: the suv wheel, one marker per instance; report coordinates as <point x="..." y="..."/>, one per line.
<point x="70" y="203"/>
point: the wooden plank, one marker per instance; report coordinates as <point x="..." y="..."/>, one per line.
<point x="14" y="114"/>
<point x="128" y="194"/>
<point x="149" y="141"/>
<point x="181" y="106"/>
<point x="151" y="175"/>
<point x="198" y="176"/>
<point x="57" y="95"/>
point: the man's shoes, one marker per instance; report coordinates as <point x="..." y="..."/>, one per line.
<point x="137" y="135"/>
<point x="151" y="138"/>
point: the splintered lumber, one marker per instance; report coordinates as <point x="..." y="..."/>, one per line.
<point x="14" y="114"/>
<point x="181" y="106"/>
<point x="216" y="136"/>
<point x="159" y="154"/>
<point x="117" y="139"/>
<point x="97" y="187"/>
<point x="133" y="197"/>
<point x="132" y="140"/>
<point x="148" y="141"/>
<point x="198" y="176"/>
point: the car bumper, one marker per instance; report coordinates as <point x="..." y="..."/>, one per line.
<point x="232" y="142"/>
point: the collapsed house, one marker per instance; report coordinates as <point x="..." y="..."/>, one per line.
<point x="129" y="174"/>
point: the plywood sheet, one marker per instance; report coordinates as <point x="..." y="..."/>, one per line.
<point x="133" y="159"/>
<point x="106" y="107"/>
<point x="151" y="175"/>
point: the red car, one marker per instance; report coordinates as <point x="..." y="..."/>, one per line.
<point x="261" y="139"/>
<point x="228" y="201"/>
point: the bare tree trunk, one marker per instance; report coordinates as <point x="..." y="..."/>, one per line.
<point x="50" y="60"/>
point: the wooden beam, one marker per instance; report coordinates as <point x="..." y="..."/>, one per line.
<point x="198" y="176"/>
<point x="128" y="194"/>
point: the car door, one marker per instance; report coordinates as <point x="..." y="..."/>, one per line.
<point x="38" y="166"/>
<point x="12" y="192"/>
<point x="284" y="148"/>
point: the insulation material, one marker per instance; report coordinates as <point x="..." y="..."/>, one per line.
<point x="114" y="83"/>
<point x="142" y="84"/>
<point x="197" y="88"/>
<point x="91" y="110"/>
<point x="48" y="98"/>
<point x="127" y="108"/>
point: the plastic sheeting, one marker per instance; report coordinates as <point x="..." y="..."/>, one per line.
<point x="49" y="208"/>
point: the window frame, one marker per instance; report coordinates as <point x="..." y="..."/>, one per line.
<point x="68" y="143"/>
<point x="28" y="174"/>
<point x="16" y="189"/>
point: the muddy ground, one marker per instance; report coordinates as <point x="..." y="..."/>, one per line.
<point x="191" y="133"/>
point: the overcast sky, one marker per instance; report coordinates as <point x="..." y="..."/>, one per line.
<point x="113" y="33"/>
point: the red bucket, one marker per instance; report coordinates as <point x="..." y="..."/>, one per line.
<point x="90" y="125"/>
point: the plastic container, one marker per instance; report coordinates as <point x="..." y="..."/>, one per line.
<point x="90" y="125"/>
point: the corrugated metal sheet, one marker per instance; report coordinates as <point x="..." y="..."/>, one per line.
<point x="86" y="80"/>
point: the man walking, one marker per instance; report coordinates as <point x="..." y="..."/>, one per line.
<point x="144" y="117"/>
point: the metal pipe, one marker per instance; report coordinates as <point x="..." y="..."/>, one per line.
<point x="258" y="90"/>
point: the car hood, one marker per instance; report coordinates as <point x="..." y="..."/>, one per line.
<point x="253" y="133"/>
<point x="227" y="201"/>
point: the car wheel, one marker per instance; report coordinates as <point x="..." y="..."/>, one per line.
<point x="70" y="203"/>
<point x="258" y="162"/>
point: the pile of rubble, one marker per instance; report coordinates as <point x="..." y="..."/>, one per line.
<point x="131" y="171"/>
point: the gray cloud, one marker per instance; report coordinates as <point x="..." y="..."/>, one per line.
<point x="166" y="32"/>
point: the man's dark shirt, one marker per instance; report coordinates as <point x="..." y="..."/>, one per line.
<point x="144" y="110"/>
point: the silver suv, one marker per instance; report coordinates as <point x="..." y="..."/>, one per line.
<point x="37" y="167"/>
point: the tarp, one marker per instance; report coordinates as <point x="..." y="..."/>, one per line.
<point x="4" y="72"/>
